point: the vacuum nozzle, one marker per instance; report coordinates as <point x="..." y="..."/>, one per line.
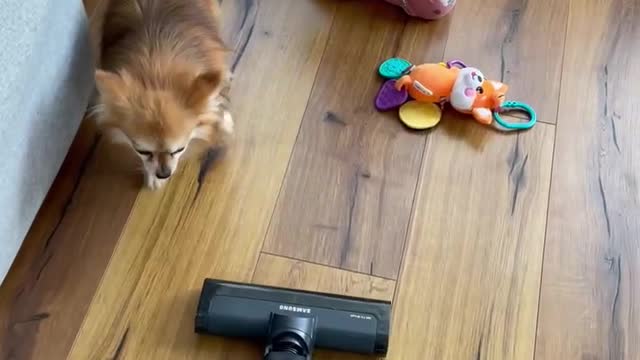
<point x="293" y="322"/>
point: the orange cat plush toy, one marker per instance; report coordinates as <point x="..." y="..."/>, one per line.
<point x="466" y="89"/>
<point x="417" y="90"/>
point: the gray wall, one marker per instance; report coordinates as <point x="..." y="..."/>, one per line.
<point x="45" y="81"/>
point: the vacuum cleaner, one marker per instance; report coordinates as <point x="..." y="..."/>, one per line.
<point x="292" y="323"/>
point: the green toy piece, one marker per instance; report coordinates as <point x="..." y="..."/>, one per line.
<point x="394" y="68"/>
<point x="517" y="106"/>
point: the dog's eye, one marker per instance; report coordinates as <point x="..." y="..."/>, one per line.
<point x="479" y="90"/>
<point x="144" y="152"/>
<point x="177" y="151"/>
<point x="479" y="78"/>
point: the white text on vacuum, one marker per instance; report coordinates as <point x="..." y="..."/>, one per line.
<point x="295" y="309"/>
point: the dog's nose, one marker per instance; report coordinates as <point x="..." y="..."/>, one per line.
<point x="163" y="172"/>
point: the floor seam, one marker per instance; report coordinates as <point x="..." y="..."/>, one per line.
<point x="553" y="158"/>
<point x="326" y="265"/>
<point x="286" y="172"/>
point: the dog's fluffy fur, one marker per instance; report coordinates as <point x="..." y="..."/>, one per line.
<point x="162" y="66"/>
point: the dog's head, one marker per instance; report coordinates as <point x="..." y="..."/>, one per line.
<point x="159" y="121"/>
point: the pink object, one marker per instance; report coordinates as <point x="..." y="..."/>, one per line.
<point x="426" y="9"/>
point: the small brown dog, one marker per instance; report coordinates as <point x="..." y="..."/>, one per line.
<point x="162" y="68"/>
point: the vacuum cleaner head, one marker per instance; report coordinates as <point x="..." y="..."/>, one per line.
<point x="293" y="322"/>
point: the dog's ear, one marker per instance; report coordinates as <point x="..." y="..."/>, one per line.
<point x="110" y="85"/>
<point x="203" y="87"/>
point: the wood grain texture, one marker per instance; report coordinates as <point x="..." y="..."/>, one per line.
<point x="144" y="306"/>
<point x="474" y="258"/>
<point x="356" y="166"/>
<point x="32" y="256"/>
<point x="90" y="6"/>
<point x="294" y="274"/>
<point x="474" y="253"/>
<point x="590" y="289"/>
<point x="238" y="19"/>
<point x="520" y="42"/>
<point x="50" y="286"/>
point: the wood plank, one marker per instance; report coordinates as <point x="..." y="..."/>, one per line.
<point x="295" y="274"/>
<point x="589" y="307"/>
<point x="475" y="246"/>
<point x="524" y="48"/>
<point x="145" y="304"/>
<point x="347" y="196"/>
<point x="475" y="250"/>
<point x="283" y="272"/>
<point x="31" y="257"/>
<point x="52" y="281"/>
<point x="90" y="6"/>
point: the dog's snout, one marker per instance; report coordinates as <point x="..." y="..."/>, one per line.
<point x="163" y="172"/>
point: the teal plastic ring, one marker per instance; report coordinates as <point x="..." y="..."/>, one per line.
<point x="508" y="106"/>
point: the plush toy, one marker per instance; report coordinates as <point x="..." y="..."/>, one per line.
<point x="426" y="9"/>
<point x="465" y="88"/>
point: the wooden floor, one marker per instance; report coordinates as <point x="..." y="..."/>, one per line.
<point x="491" y="245"/>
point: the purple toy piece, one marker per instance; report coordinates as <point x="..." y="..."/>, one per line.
<point x="389" y="98"/>
<point x="456" y="62"/>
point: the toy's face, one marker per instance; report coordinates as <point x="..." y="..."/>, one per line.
<point x="471" y="79"/>
<point x="467" y="87"/>
<point x="493" y="95"/>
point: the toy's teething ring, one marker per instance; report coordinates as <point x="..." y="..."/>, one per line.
<point x="518" y="106"/>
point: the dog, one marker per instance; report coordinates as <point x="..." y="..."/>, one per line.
<point x="160" y="73"/>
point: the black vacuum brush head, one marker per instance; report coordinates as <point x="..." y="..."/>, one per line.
<point x="299" y="319"/>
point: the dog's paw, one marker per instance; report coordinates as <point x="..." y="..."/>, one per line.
<point x="226" y="124"/>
